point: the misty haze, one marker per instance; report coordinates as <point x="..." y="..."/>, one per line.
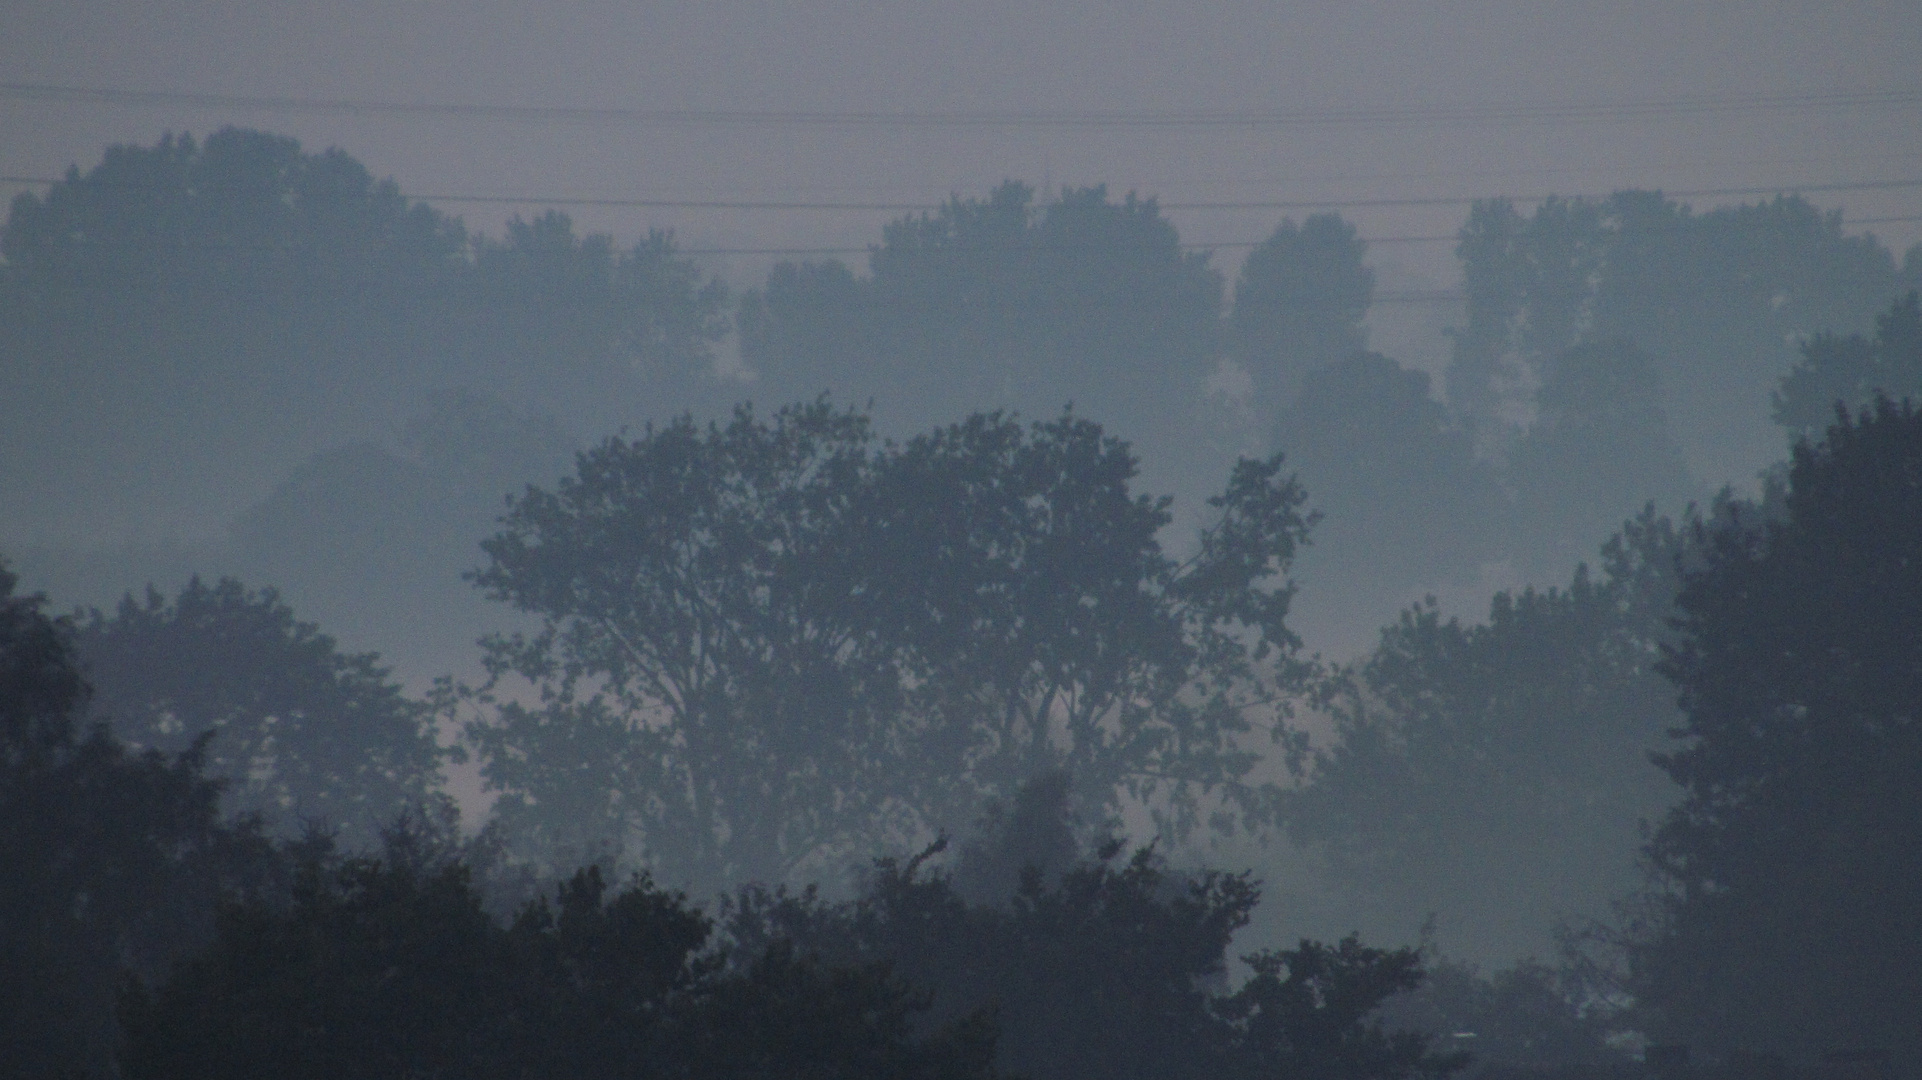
<point x="1050" y="542"/>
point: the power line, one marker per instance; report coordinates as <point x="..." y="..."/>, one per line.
<point x="1487" y="112"/>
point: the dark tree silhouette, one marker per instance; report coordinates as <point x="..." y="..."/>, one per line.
<point x="1104" y="966"/>
<point x="391" y="967"/>
<point x="300" y="731"/>
<point x="110" y="861"/>
<point x="1528" y="1021"/>
<point x="769" y="641"/>
<point x="1786" y="883"/>
<point x="1308" y="1011"/>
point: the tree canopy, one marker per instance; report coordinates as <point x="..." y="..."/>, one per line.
<point x="1012" y="303"/>
<point x="1496" y="773"/>
<point x="189" y="321"/>
<point x="1785" y="880"/>
<point x="1851" y="370"/>
<point x="1103" y="964"/>
<point x="1299" y="305"/>
<point x="382" y="967"/>
<point x="111" y="860"/>
<point x="764" y="641"/>
<point x="299" y="731"/>
<point x="1717" y="300"/>
<point x="1598" y="449"/>
<point x="1403" y="499"/>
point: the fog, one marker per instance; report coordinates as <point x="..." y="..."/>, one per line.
<point x="1070" y="454"/>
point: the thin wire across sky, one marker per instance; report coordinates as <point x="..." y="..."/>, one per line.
<point x="1487" y="112"/>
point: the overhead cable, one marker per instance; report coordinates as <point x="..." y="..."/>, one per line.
<point x="1485" y="112"/>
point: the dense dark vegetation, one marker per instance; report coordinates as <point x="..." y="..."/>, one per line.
<point x="750" y="668"/>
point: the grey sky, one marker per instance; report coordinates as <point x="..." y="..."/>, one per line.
<point x="1060" y="56"/>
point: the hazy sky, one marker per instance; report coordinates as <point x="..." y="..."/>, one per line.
<point x="1225" y="55"/>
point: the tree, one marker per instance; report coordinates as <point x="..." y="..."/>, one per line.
<point x="1598" y="449"/>
<point x="1102" y="965"/>
<point x="252" y="303"/>
<point x="1716" y="299"/>
<point x="1528" y="1020"/>
<point x="1403" y="500"/>
<point x="588" y="330"/>
<point x="765" y="642"/>
<point x="299" y="731"/>
<point x="371" y="542"/>
<point x="1309" y="1011"/>
<point x="207" y="282"/>
<point x="1495" y="774"/>
<point x="382" y="967"/>
<point x="1850" y="370"/>
<point x="1785" y="888"/>
<point x="1299" y="305"/>
<point x="111" y="861"/>
<point x="1005" y="302"/>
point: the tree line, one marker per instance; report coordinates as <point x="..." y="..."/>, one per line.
<point x="276" y="316"/>
<point x="1772" y="917"/>
<point x="771" y="644"/>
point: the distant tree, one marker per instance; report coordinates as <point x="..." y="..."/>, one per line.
<point x="252" y="303"/>
<point x="111" y="861"/>
<point x="765" y="642"/>
<point x="299" y="731"/>
<point x="1496" y="774"/>
<point x="1528" y="281"/>
<point x="1716" y="299"/>
<point x="391" y="967"/>
<point x="1403" y="500"/>
<point x="1786" y="890"/>
<point x="371" y="541"/>
<point x="1850" y="370"/>
<point x="209" y="283"/>
<point x="1599" y="448"/>
<point x="577" y="326"/>
<point x="1007" y="302"/>
<point x="1299" y="305"/>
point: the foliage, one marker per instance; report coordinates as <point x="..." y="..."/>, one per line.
<point x="1599" y="448"/>
<point x="1785" y="883"/>
<point x="1102" y="966"/>
<point x="110" y="860"/>
<point x="1716" y="299"/>
<point x="1307" y="1012"/>
<point x="1003" y="302"/>
<point x="1299" y="305"/>
<point x="391" y="967"/>
<point x="1403" y="500"/>
<point x="1497" y="772"/>
<point x="620" y="331"/>
<point x="1528" y="1020"/>
<point x="767" y="642"/>
<point x="299" y="731"/>
<point x="251" y="303"/>
<point x="1850" y="370"/>
<point x="371" y="542"/>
